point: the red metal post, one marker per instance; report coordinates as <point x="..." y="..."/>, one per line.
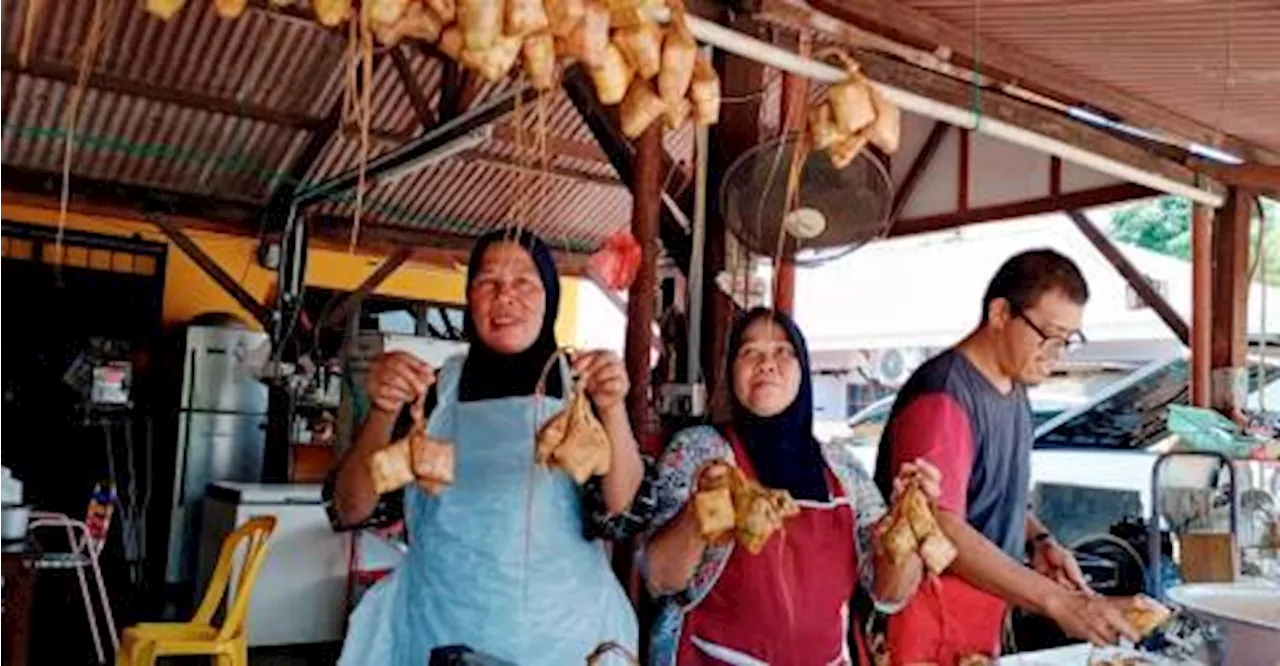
<point x="1201" y="303"/>
<point x="795" y="101"/>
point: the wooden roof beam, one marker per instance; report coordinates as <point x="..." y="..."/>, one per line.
<point x="351" y="301"/>
<point x="211" y="268"/>
<point x="1009" y="64"/>
<point x="1082" y="199"/>
<point x="918" y="166"/>
<point x="1136" y="280"/>
<point x="404" y="70"/>
<point x="1022" y="114"/>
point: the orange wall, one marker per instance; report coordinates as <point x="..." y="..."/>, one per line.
<point x="188" y="291"/>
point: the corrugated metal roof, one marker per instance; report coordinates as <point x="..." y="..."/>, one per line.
<point x="1216" y="61"/>
<point x="127" y="140"/>
<point x="269" y="65"/>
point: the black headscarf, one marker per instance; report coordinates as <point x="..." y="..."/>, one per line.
<point x="488" y="374"/>
<point x="782" y="448"/>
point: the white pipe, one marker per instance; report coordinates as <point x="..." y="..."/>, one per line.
<point x="773" y="56"/>
<point x="694" y="320"/>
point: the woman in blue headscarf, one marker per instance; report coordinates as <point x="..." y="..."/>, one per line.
<point x="498" y="562"/>
<point x="788" y="604"/>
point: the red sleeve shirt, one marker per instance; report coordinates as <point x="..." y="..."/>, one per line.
<point x="936" y="428"/>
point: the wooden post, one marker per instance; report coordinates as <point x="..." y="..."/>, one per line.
<point x="737" y="131"/>
<point x="793" y="114"/>
<point x="646" y="205"/>
<point x="1201" y="304"/>
<point x="1230" y="297"/>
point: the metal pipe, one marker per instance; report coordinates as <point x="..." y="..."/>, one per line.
<point x="773" y="56"/>
<point x="418" y="149"/>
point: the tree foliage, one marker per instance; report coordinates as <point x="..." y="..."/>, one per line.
<point x="1164" y="225"/>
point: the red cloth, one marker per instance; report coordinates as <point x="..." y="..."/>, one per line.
<point x="788" y="604"/>
<point x="948" y="619"/>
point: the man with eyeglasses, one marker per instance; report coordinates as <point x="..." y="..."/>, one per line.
<point x="966" y="411"/>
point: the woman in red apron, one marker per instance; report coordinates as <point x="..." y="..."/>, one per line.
<point x="789" y="604"/>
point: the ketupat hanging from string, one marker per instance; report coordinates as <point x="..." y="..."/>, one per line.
<point x="853" y="115"/>
<point x="164" y="9"/>
<point x="617" y="40"/>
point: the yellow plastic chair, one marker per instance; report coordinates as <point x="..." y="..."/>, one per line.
<point x="227" y="644"/>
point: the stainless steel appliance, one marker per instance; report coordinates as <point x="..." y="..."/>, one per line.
<point x="221" y="432"/>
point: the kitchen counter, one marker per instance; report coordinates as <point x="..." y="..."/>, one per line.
<point x="1080" y="655"/>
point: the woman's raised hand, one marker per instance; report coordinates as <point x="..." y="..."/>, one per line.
<point x="923" y="473"/>
<point x="396" y="379"/>
<point x="605" y="377"/>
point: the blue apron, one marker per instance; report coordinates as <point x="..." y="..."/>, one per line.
<point x="497" y="562"/>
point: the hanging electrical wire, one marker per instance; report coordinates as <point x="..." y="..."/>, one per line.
<point x="103" y="11"/>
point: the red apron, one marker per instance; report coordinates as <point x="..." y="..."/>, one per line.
<point x="787" y="605"/>
<point x="946" y="621"/>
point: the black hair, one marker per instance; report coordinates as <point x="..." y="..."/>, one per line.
<point x="1027" y="276"/>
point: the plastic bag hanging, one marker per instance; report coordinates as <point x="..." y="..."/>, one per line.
<point x="617" y="261"/>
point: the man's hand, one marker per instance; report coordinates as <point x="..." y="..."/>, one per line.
<point x="1093" y="618"/>
<point x="1056" y="563"/>
<point x="396" y="379"/>
<point x="605" y="376"/>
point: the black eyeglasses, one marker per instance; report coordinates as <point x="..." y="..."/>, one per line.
<point x="1054" y="344"/>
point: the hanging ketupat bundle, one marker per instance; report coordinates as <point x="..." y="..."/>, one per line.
<point x="417" y="22"/>
<point x="589" y="40"/>
<point x="640" y="108"/>
<point x="564" y="15"/>
<point x="331" y="13"/>
<point x="713" y="502"/>
<point x="616" y="40"/>
<point x="164" y="9"/>
<point x="230" y="9"/>
<point x="704" y="92"/>
<point x="854" y="114"/>
<point x="451" y="42"/>
<point x="445" y="10"/>
<point x="679" y="52"/>
<point x="495" y="62"/>
<point x="413" y="457"/>
<point x="612" y="76"/>
<point x="913" y="528"/>
<point x="481" y="23"/>
<point x="525" y="17"/>
<point x="385" y="12"/>
<point x="822" y="127"/>
<point x="575" y="441"/>
<point x="540" y="60"/>
<point x="727" y="503"/>
<point x="641" y="45"/>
